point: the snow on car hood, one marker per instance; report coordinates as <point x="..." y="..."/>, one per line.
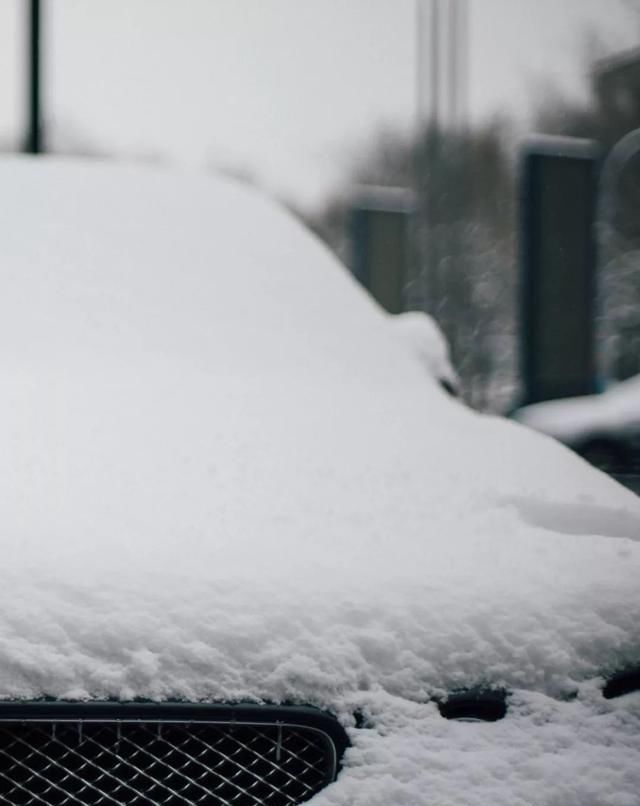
<point x="223" y="477"/>
<point x="427" y="342"/>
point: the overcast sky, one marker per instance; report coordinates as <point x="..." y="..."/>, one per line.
<point x="286" y="89"/>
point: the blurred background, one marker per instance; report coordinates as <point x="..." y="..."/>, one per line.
<point x="396" y="129"/>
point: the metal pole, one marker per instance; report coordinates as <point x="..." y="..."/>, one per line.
<point x="420" y="21"/>
<point x="435" y="63"/>
<point x="415" y="291"/>
<point x="463" y="63"/>
<point x="432" y="254"/>
<point x="453" y="81"/>
<point x="34" y="138"/>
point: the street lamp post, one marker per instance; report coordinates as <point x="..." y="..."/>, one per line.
<point x="34" y="143"/>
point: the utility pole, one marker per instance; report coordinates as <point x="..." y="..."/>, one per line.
<point x="34" y="141"/>
<point x="432" y="155"/>
<point x="442" y="42"/>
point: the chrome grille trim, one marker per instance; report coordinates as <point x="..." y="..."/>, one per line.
<point x="63" y="754"/>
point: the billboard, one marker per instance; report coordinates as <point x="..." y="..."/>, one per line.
<point x="558" y="260"/>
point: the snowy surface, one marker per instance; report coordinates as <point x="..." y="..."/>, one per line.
<point x="615" y="412"/>
<point x="223" y="477"/>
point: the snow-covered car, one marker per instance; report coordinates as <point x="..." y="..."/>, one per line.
<point x="252" y="553"/>
<point x="603" y="428"/>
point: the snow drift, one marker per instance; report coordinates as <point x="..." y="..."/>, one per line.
<point x="223" y="477"/>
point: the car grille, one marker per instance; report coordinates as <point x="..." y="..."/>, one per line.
<point x="146" y="761"/>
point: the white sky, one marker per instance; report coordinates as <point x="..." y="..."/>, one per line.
<point x="286" y="89"/>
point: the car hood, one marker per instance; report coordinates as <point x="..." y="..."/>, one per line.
<point x="223" y="478"/>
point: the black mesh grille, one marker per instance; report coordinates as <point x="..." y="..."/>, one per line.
<point x="172" y="763"/>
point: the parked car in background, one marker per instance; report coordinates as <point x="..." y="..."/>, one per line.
<point x="603" y="428"/>
<point x="253" y="553"/>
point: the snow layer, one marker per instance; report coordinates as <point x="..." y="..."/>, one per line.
<point x="427" y="342"/>
<point x="223" y="477"/>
